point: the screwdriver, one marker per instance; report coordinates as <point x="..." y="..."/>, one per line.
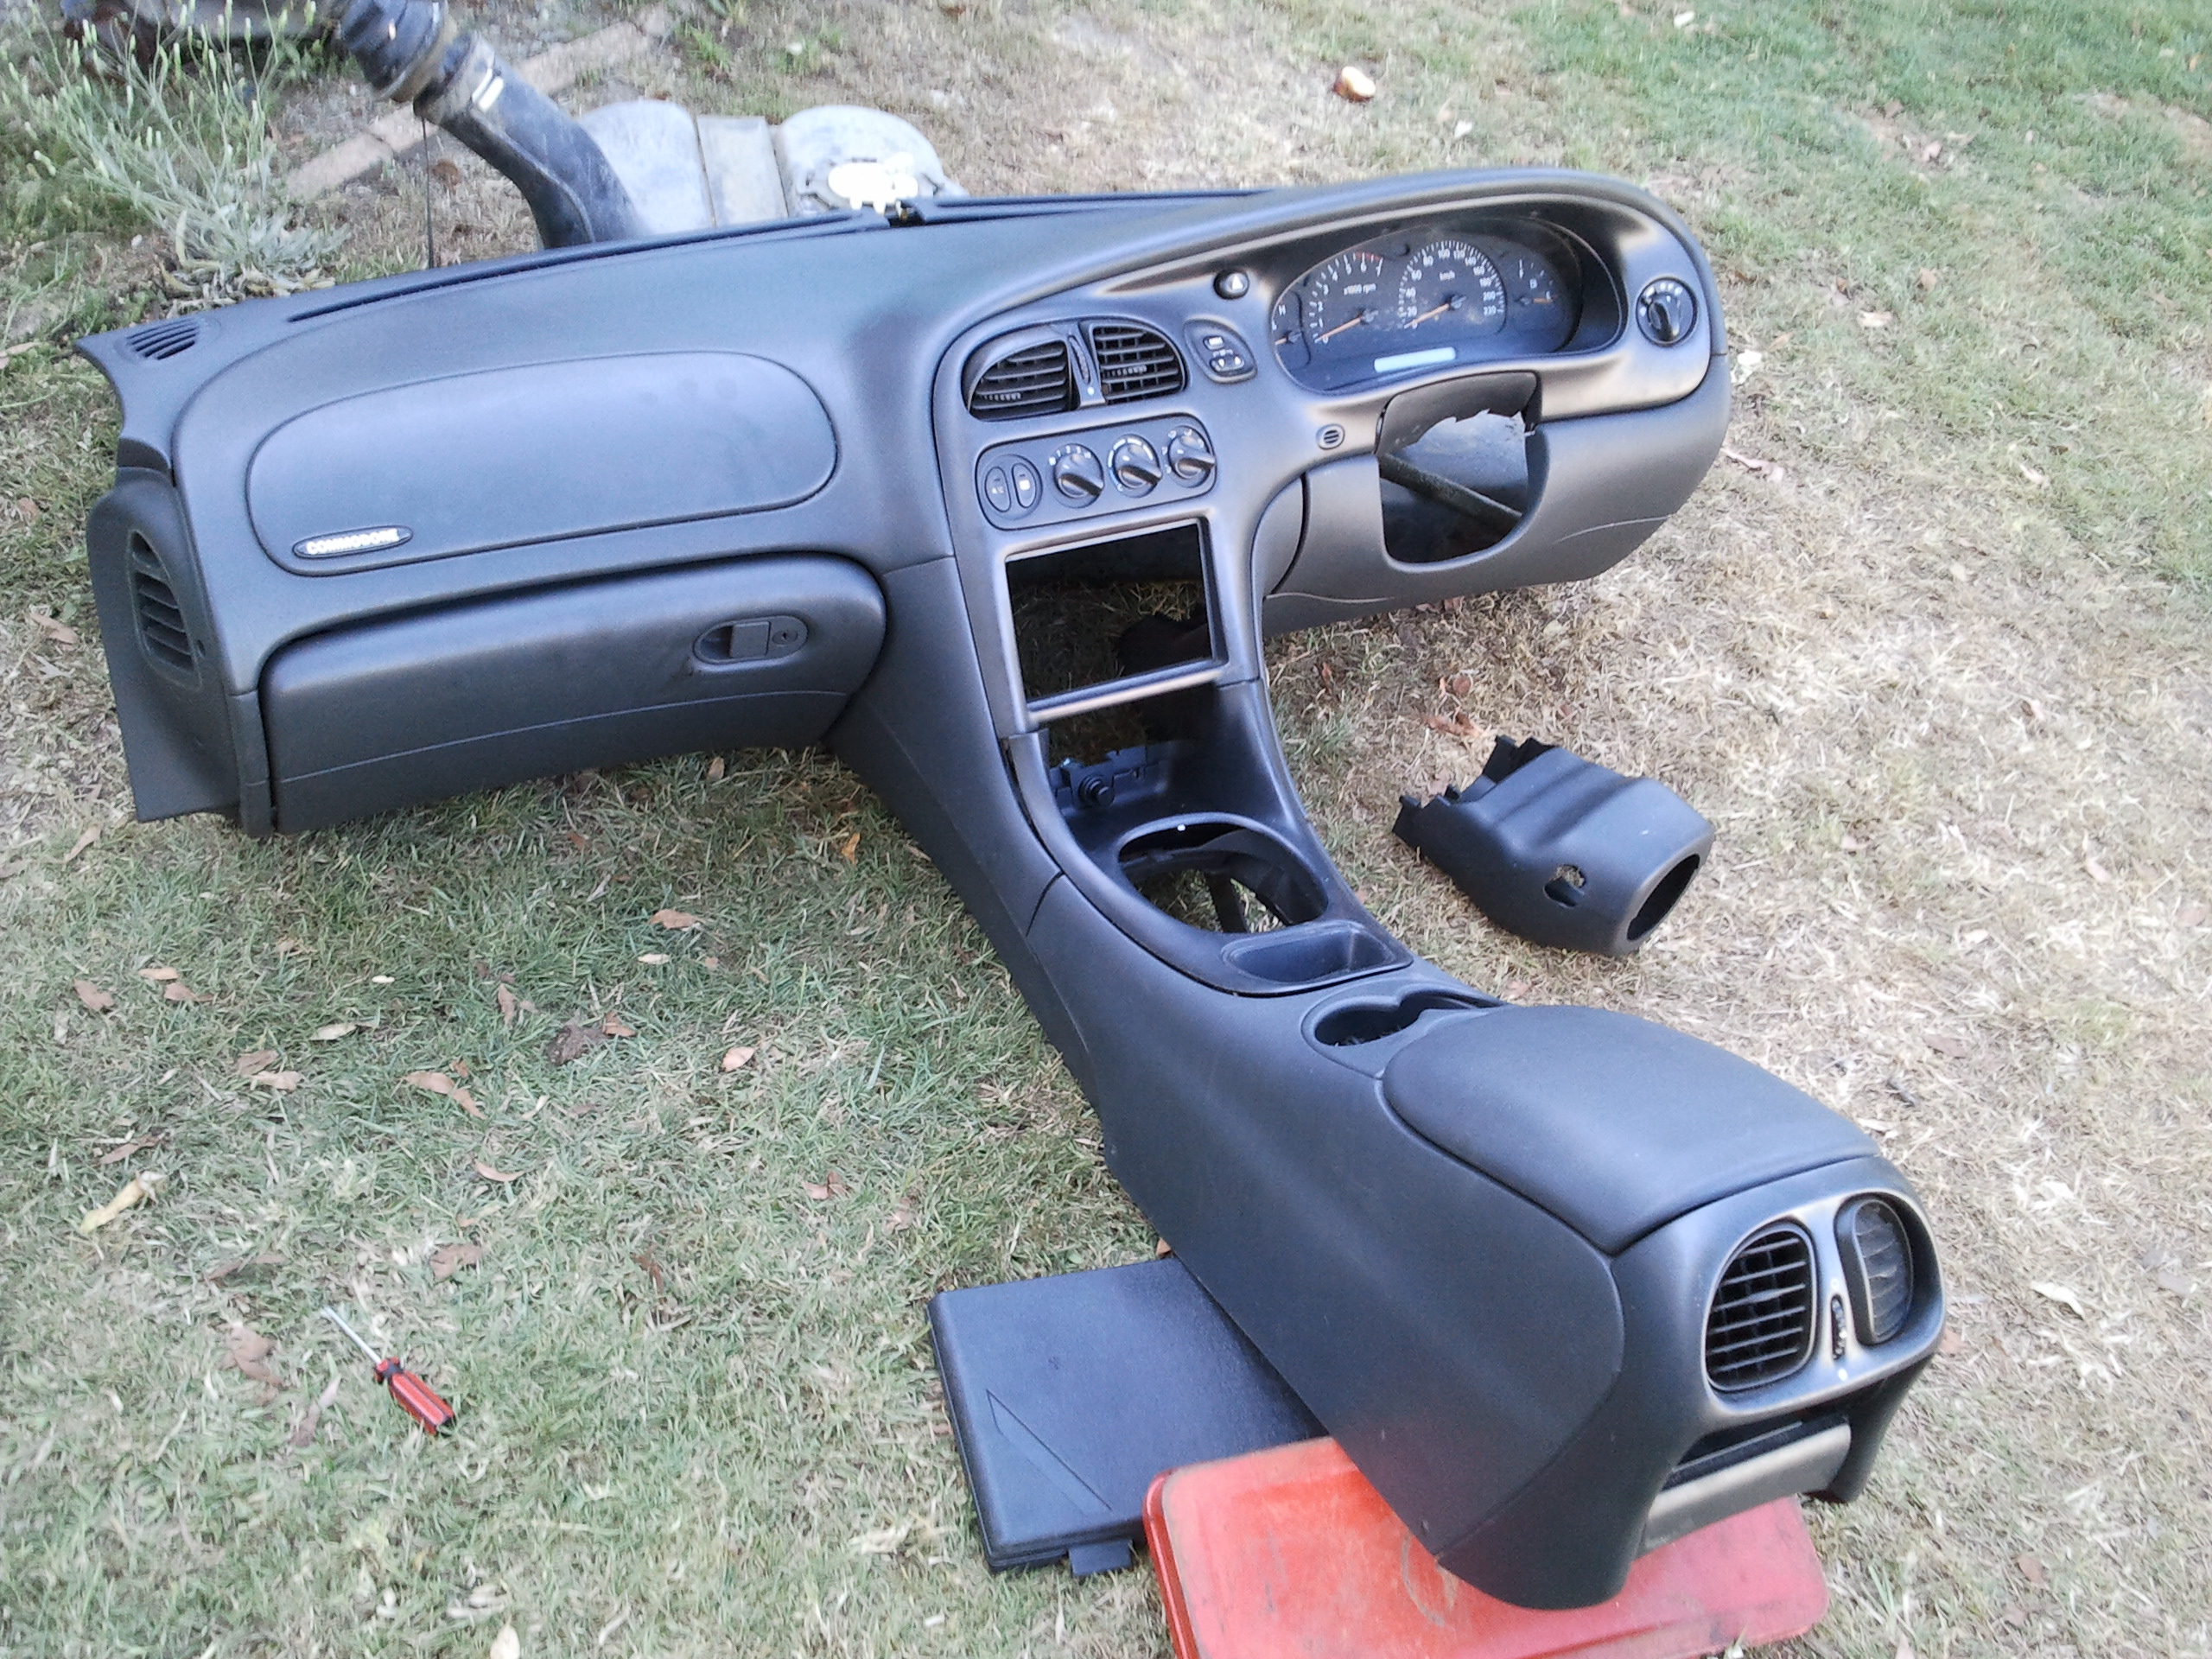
<point x="413" y="1394"/>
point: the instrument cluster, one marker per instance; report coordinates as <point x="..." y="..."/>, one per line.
<point x="1423" y="299"/>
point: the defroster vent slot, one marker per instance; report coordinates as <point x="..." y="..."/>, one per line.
<point x="1762" y="1325"/>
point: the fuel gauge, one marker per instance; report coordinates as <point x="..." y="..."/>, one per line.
<point x="1531" y="289"/>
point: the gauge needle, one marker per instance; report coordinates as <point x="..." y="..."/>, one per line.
<point x="1435" y="311"/>
<point x="1348" y="322"/>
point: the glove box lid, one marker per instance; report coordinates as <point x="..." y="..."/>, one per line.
<point x="751" y="652"/>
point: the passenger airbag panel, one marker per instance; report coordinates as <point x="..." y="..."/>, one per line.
<point x="506" y="456"/>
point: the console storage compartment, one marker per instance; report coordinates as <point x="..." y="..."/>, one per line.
<point x="754" y="652"/>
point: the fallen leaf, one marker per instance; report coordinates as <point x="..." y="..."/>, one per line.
<point x="1952" y="1345"/>
<point x="1684" y="19"/>
<point x="157" y="975"/>
<point x="492" y="1174"/>
<point x="446" y="172"/>
<point x="333" y="1032"/>
<point x="1853" y="844"/>
<point x="2191" y="915"/>
<point x="2030" y="1569"/>
<point x="381" y="979"/>
<point x="260" y="1060"/>
<point x="901" y="1219"/>
<point x="737" y="1059"/>
<point x="92" y="996"/>
<point x="2174" y="1281"/>
<point x="1749" y="463"/>
<point x="177" y="991"/>
<point x="2098" y="873"/>
<point x="2061" y="1295"/>
<point x="2032" y="475"/>
<point x="655" y="958"/>
<point x="506" y="1644"/>
<point x="1929" y="279"/>
<point x="714" y="770"/>
<point x="573" y="1043"/>
<point x="849" y="847"/>
<point x="654" y="1269"/>
<point x="129" y="1147"/>
<point x="510" y="1010"/>
<point x="1161" y="1247"/>
<point x="304" y="1434"/>
<point x="1452" y="726"/>
<point x="1956" y="1047"/>
<point x="438" y="1084"/>
<point x="677" y="921"/>
<point x="250" y="1352"/>
<point x="1354" y="84"/>
<point x="1904" y="1649"/>
<point x="289" y="947"/>
<point x="223" y="1270"/>
<point x="886" y="1542"/>
<point x="83" y="842"/>
<point x="449" y="1258"/>
<point x="1875" y="318"/>
<point x="60" y="632"/>
<point x="1459" y="685"/>
<point x="613" y="1027"/>
<point x="137" y="1188"/>
<point x="817" y="1193"/>
<point x="282" y="1082"/>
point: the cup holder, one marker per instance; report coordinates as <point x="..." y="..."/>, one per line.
<point x="1348" y="1024"/>
<point x="1222" y="876"/>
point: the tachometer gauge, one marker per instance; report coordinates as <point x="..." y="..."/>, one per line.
<point x="1451" y="287"/>
<point x="1345" y="301"/>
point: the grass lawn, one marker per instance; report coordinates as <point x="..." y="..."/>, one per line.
<point x="1930" y="647"/>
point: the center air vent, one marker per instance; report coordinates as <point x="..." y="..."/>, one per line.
<point x="1031" y="379"/>
<point x="162" y="631"/>
<point x="1134" y="362"/>
<point x="156" y="341"/>
<point x="1760" y="1329"/>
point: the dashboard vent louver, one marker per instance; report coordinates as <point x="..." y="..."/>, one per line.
<point x="161" y="631"/>
<point x="1761" y="1327"/>
<point x="1134" y="362"/>
<point x="157" y="340"/>
<point x="1034" y="379"/>
<point x="1877" y="1259"/>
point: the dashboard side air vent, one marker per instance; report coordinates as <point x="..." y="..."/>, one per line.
<point x="1761" y="1327"/>
<point x="156" y="341"/>
<point x="1878" y="1265"/>
<point x="1034" y="377"/>
<point x="1134" y="362"/>
<point x="161" y="631"/>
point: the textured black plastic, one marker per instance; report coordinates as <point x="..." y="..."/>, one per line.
<point x="1562" y="850"/>
<point x="1068" y="1395"/>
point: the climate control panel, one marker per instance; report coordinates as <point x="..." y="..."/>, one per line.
<point x="1103" y="469"/>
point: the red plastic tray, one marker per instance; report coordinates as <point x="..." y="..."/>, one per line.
<point x="1289" y="1553"/>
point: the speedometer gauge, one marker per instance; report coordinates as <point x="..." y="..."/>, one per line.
<point x="1451" y="287"/>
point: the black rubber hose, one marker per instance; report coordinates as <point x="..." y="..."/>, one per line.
<point x="408" y="51"/>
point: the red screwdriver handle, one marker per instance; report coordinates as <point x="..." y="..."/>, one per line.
<point x="416" y="1398"/>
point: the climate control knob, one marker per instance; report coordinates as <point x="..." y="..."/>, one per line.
<point x="1190" y="456"/>
<point x="1135" y="465"/>
<point x="1076" y="472"/>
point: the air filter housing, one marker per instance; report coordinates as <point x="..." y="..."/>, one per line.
<point x="1761" y="1326"/>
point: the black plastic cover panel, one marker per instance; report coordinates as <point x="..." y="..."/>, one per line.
<point x="506" y="456"/>
<point x="1068" y="1395"/>
<point x="758" y="652"/>
<point x="1612" y="1123"/>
